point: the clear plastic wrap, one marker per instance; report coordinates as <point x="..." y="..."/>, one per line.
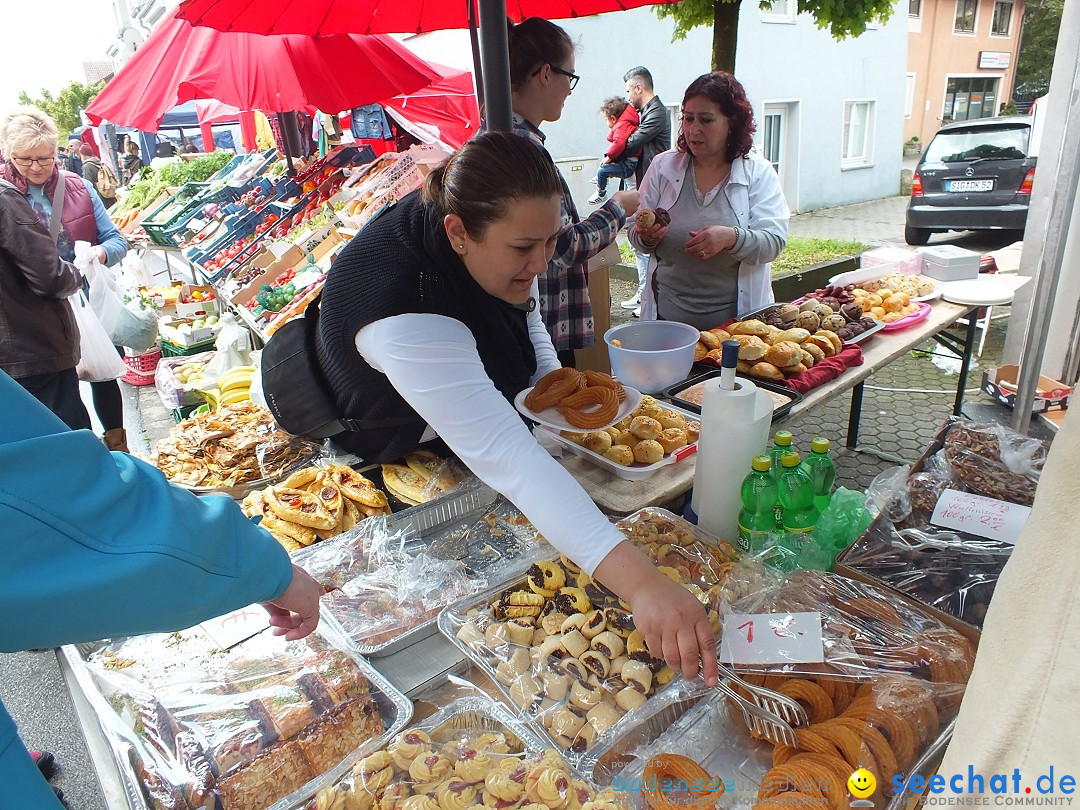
<point x="263" y="724"/>
<point x="471" y="753"/>
<point x="563" y="649"/>
<point x="951" y="571"/>
<point x="172" y="383"/>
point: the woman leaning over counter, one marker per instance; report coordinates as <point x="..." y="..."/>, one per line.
<point x="429" y="326"/>
<point x="729" y="218"/>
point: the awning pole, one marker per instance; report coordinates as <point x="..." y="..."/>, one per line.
<point x="478" y="69"/>
<point x="496" y="63"/>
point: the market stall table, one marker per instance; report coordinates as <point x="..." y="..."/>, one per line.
<point x="622" y="497"/>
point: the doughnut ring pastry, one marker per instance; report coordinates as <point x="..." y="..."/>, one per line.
<point x="553" y="387"/>
<point x="667" y="771"/>
<point x="594" y="379"/>
<point x="603" y="402"/>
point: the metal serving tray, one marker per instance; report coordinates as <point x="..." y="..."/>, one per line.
<point x="757" y="313"/>
<point x="779" y="412"/>
<point x="395" y="711"/>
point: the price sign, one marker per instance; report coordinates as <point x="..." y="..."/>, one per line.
<point x="234" y="627"/>
<point x="772" y="638"/>
<point x="985" y="517"/>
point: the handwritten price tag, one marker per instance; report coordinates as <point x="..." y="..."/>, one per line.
<point x="772" y="638"/>
<point x="232" y="628"/>
<point x="985" y="517"/>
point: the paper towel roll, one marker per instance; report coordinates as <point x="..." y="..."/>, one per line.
<point x="734" y="429"/>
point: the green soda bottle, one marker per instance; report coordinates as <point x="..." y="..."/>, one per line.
<point x="796" y="492"/>
<point x="781" y="445"/>
<point x="756" y="518"/>
<point x="821" y="470"/>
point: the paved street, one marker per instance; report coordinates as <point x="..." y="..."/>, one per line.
<point x="905" y="403"/>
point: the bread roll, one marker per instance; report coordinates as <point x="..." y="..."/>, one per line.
<point x="672" y="419"/>
<point x="645" y="427"/>
<point x="620" y="454"/>
<point x="767" y="371"/>
<point x="822" y="344"/>
<point x="710" y="340"/>
<point x="807" y="358"/>
<point x="795" y="335"/>
<point x="744" y="366"/>
<point x="751" y="347"/>
<point x="716" y="355"/>
<point x="626" y="438"/>
<point x="597" y="442"/>
<point x="700" y="351"/>
<point x="648" y="451"/>
<point x="783" y="354"/>
<point x="723" y="334"/>
<point x="671" y="439"/>
<point x="833" y="338"/>
<point x="813" y="349"/>
<point x="751" y="327"/>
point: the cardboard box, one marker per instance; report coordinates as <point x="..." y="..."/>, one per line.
<point x="1001" y="383"/>
<point x="170" y="331"/>
<point x="187" y="309"/>
<point x="296" y="258"/>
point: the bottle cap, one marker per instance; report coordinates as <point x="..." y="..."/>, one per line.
<point x="761" y="464"/>
<point x="820" y="445"/>
<point x="790" y="459"/>
<point x="783" y="438"/>
<point x="729" y="357"/>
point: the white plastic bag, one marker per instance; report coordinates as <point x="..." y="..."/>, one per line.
<point x="99" y="361"/>
<point x="134" y="328"/>
<point x="232" y="349"/>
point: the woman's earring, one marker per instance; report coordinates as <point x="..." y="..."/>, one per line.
<point x="461" y="246"/>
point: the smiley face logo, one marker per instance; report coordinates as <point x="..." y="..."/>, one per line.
<point x="861" y="783"/>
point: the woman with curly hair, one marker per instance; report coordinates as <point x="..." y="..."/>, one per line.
<point x="729" y="218"/>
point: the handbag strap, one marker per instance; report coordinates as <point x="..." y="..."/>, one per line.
<point x="56" y="219"/>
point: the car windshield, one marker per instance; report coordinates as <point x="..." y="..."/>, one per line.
<point x="984" y="143"/>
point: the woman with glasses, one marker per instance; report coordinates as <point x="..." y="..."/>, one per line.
<point x="541" y="78"/>
<point x="729" y="218"/>
<point x="29" y="137"/>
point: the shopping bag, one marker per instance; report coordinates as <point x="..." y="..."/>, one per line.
<point x="134" y="328"/>
<point x="99" y="361"/>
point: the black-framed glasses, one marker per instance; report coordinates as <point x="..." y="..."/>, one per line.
<point x="574" y="78"/>
<point x="26" y="163"/>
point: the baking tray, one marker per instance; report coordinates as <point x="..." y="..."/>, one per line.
<point x="454" y="527"/>
<point x="672" y="393"/>
<point x="394" y="708"/>
<point x="707" y="731"/>
<point x="873" y="330"/>
<point x="637" y="472"/>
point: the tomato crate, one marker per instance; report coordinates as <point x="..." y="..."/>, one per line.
<point x="141" y="367"/>
<point x="169" y="349"/>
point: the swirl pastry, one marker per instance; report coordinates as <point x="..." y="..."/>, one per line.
<point x="419" y="802"/>
<point x="494" y="743"/>
<point x="429" y="768"/>
<point x="393" y="796"/>
<point x="374" y="772"/>
<point x="595" y="379"/>
<point x="503" y="786"/>
<point x="551" y="389"/>
<point x="407" y="746"/>
<point x="548" y="786"/>
<point x="590" y="408"/>
<point x="455" y="794"/>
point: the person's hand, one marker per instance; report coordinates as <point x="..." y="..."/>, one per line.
<point x="705" y="243"/>
<point x="673" y="623"/>
<point x="653" y="235"/>
<point x="605" y="161"/>
<point x="99" y="251"/>
<point x="295" y="613"/>
<point x="629" y="200"/>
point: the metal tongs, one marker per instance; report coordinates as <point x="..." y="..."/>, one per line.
<point x="771" y="715"/>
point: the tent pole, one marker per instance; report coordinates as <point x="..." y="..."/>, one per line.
<point x="496" y="59"/>
<point x="286" y="142"/>
<point x="478" y="71"/>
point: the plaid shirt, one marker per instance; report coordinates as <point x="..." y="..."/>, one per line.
<point x="564" y="289"/>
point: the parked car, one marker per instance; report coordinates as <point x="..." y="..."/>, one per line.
<point x="974" y="175"/>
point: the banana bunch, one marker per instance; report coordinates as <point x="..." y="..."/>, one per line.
<point x="235" y="385"/>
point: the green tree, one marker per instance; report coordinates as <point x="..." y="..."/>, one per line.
<point x="65" y="107"/>
<point x="1042" y="19"/>
<point x="843" y="18"/>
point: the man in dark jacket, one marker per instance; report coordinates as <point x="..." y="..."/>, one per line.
<point x="653" y="136"/>
<point x="39" y="341"/>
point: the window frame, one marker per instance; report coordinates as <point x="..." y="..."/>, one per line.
<point x="1007" y="33"/>
<point x="961" y="8"/>
<point x="909" y="94"/>
<point x="866" y="158"/>
<point x="918" y="9"/>
<point x="785" y="17"/>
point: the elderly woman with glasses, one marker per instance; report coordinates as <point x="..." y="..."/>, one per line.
<point x="541" y="78"/>
<point x="29" y="139"/>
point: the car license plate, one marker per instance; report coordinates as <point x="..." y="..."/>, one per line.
<point x="969" y="185"/>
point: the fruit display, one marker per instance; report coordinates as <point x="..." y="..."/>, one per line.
<point x="314" y="504"/>
<point x="769" y="352"/>
<point x="566" y="650"/>
<point x="233" y="386"/>
<point x="233" y="445"/>
<point x="179" y="380"/>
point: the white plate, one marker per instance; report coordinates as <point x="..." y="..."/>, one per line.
<point x="552" y="418"/>
<point x="976" y="292"/>
<point x="933" y="296"/>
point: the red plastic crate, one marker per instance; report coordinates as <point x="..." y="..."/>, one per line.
<point x="141" y="367"/>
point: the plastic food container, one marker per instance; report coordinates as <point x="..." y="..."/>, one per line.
<point x="652" y="354"/>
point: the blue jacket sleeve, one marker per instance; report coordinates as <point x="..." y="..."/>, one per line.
<point x="100" y="544"/>
<point x="109" y="236"/>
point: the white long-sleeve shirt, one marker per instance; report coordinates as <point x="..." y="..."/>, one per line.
<point x="432" y="361"/>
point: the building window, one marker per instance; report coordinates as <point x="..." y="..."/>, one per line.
<point x="780" y="11"/>
<point x="1000" y="25"/>
<point x="914" y="8"/>
<point x="965" y="17"/>
<point x="858" y="133"/>
<point x="909" y="94"/>
<point x="970" y="98"/>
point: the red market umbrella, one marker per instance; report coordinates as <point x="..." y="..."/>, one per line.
<point x="375" y="16"/>
<point x="447" y="107"/>
<point x="180" y="62"/>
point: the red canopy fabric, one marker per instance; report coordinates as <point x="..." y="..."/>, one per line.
<point x="448" y="105"/>
<point x="180" y="62"/>
<point x="316" y="17"/>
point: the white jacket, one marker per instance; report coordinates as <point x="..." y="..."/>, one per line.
<point x="755" y="196"/>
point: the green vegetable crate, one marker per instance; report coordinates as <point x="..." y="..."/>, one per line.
<point x="186" y="200"/>
<point x="172" y="350"/>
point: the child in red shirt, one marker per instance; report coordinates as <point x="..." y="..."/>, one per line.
<point x="622" y="119"/>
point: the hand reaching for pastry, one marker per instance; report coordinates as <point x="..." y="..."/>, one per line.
<point x="672" y="621"/>
<point x="295" y="613"/>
